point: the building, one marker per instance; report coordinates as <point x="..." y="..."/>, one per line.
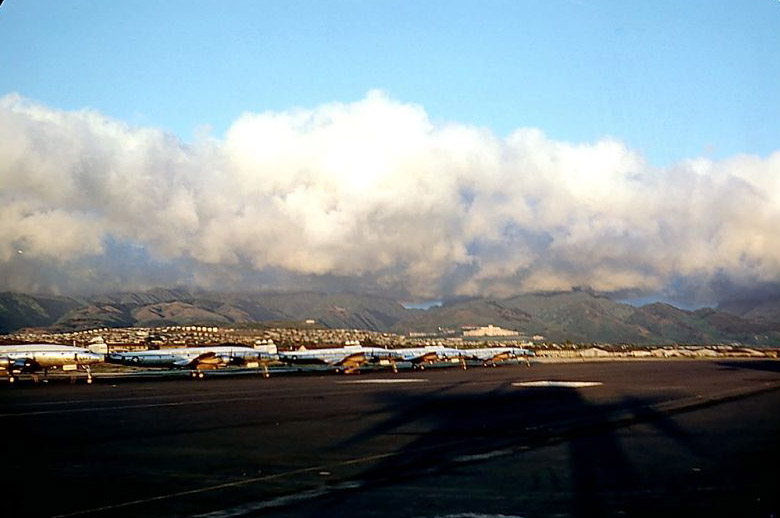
<point x="489" y="330"/>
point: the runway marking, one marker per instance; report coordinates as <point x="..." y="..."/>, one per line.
<point x="258" y="396"/>
<point x="188" y="492"/>
<point x="237" y="483"/>
<point x="255" y="396"/>
<point x="279" y="501"/>
<point x="560" y="384"/>
<point x="209" y="393"/>
<point x="483" y="456"/>
<point x="211" y="400"/>
<point x="384" y="381"/>
<point x="476" y="515"/>
<point x="120" y="407"/>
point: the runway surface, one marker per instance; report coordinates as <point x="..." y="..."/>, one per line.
<point x="681" y="438"/>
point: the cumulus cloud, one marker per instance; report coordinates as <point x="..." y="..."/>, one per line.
<point x="369" y="194"/>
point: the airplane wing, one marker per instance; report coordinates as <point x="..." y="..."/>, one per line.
<point x="207" y="360"/>
<point x="212" y="359"/>
<point x="416" y="357"/>
<point x="248" y="358"/>
<point x="428" y="357"/>
<point x="491" y="356"/>
<point x="354" y="359"/>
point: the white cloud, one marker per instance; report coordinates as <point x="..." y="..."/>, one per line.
<point x="374" y="192"/>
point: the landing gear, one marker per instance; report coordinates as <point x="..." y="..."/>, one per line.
<point x="89" y="375"/>
<point x="266" y="374"/>
<point x="11" y="379"/>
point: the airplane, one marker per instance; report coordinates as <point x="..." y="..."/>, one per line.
<point x="347" y="359"/>
<point x="419" y="357"/>
<point x="34" y="358"/>
<point x="493" y="355"/>
<point x="198" y="359"/>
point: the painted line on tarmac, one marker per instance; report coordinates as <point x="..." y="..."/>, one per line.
<point x="237" y="483"/>
<point x="138" y="398"/>
<point x="258" y="396"/>
<point x="119" y="407"/>
<point x="263" y="393"/>
<point x="188" y="492"/>
<point x="483" y="456"/>
<point x="213" y="397"/>
<point x="476" y="515"/>
<point x="279" y="501"/>
<point x="211" y="400"/>
<point x="558" y="384"/>
<point x="381" y="381"/>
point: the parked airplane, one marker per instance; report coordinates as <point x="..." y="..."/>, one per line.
<point x="419" y="357"/>
<point x="493" y="355"/>
<point x="347" y="359"/>
<point x="197" y="359"/>
<point x="34" y="358"/>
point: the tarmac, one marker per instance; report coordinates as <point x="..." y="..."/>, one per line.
<point x="661" y="438"/>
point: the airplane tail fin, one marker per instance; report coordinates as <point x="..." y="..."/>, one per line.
<point x="267" y="348"/>
<point x="98" y="348"/>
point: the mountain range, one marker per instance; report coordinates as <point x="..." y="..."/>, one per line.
<point x="579" y="316"/>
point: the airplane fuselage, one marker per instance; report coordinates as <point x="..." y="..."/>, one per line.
<point x="44" y="356"/>
<point x="33" y="358"/>
<point x="192" y="357"/>
<point x="428" y="354"/>
<point x="496" y="354"/>
<point x="352" y="356"/>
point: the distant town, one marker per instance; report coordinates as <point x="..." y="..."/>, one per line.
<point x="309" y="335"/>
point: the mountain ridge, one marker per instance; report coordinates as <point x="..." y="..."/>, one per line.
<point x="579" y="315"/>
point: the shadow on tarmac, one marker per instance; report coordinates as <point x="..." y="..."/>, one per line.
<point x="760" y="365"/>
<point x="451" y="430"/>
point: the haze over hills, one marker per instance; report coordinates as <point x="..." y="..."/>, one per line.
<point x="765" y="309"/>
<point x="162" y="307"/>
<point x="579" y="316"/>
<point x="582" y="316"/>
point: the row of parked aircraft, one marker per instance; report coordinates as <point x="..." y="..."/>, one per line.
<point x="36" y="358"/>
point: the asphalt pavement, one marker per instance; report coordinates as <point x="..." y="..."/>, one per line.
<point x="654" y="438"/>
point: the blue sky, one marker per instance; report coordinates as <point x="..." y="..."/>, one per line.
<point x="671" y="79"/>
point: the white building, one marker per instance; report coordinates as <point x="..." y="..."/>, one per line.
<point x="489" y="330"/>
<point x="594" y="352"/>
